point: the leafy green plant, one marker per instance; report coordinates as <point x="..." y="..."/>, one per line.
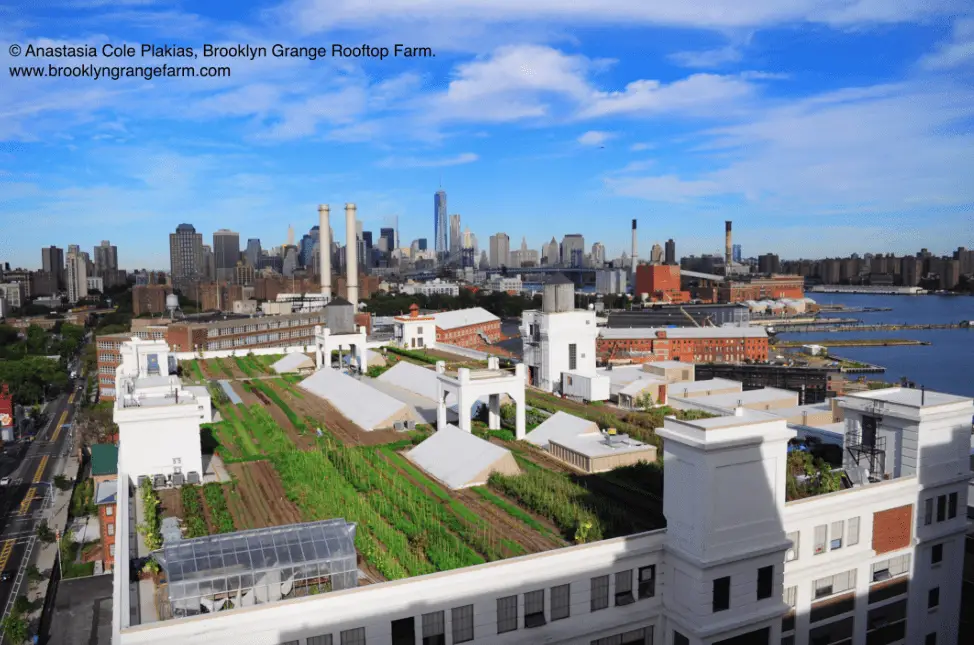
<point x="150" y="528"/>
<point x="151" y="567"/>
<point x="193" y="520"/>
<point x="217" y="503"/>
<point x="807" y="476"/>
<point x="15" y="628"/>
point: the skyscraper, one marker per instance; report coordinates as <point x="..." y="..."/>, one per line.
<point x="598" y="255"/>
<point x="456" y="236"/>
<point x="52" y="261"/>
<point x="252" y="254"/>
<point x="573" y="250"/>
<point x="77" y="274"/>
<point x="185" y="255"/>
<point x="441" y="244"/>
<point x="388" y="235"/>
<point x="670" y="251"/>
<point x="226" y="253"/>
<point x="656" y="254"/>
<point x="500" y="250"/>
<point x="106" y="257"/>
<point x="736" y="254"/>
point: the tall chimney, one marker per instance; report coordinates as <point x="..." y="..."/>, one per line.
<point x="728" y="247"/>
<point x="351" y="256"/>
<point x="634" y="254"/>
<point x="324" y="249"/>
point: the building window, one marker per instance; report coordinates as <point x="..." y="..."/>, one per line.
<point x="624" y="588"/>
<point x="324" y="639"/>
<point x="891" y="568"/>
<point x="791" y="596"/>
<point x="506" y="614"/>
<point x="836" y="542"/>
<point x="111" y="529"/>
<point x="680" y="639"/>
<point x="647" y="581"/>
<point x="434" y="629"/>
<point x="821" y="538"/>
<point x="572" y="356"/>
<point x="111" y="551"/>
<point x="852" y="538"/>
<point x="561" y="602"/>
<point x="928" y="512"/>
<point x="109" y="511"/>
<point x="941" y="508"/>
<point x="936" y="554"/>
<point x="765" y="582"/>
<point x="534" y="609"/>
<point x="952" y="506"/>
<point x="835" y="584"/>
<point x="933" y="598"/>
<point x="931" y="639"/>
<point x="600" y="593"/>
<point x="792" y="553"/>
<point x="404" y="631"/>
<point x="462" y="623"/>
<point x="721" y="594"/>
<point x="353" y="636"/>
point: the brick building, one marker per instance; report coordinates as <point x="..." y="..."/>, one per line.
<point x="687" y="344"/>
<point x="149" y="299"/>
<point x="245" y="333"/>
<point x="661" y="282"/>
<point x="104" y="472"/>
<point x="472" y="328"/>
<point x="774" y="287"/>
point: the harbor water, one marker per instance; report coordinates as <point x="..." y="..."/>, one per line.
<point x="946" y="365"/>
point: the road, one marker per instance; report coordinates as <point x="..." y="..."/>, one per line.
<point x="22" y="502"/>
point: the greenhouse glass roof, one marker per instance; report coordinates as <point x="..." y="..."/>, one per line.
<point x="261" y="565"/>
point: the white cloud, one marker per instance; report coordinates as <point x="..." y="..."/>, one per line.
<point x="958" y="51"/>
<point x="695" y="94"/>
<point x="595" y="138"/>
<point x="886" y="148"/>
<point x="320" y="15"/>
<point x="707" y="58"/>
<point x="639" y="147"/>
<point x="414" y="162"/>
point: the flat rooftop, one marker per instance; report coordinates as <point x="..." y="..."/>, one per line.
<point x="611" y="333"/>
<point x="749" y="417"/>
<point x="82" y="612"/>
<point x="910" y="397"/>
<point x="731" y="399"/>
<point x="687" y="388"/>
<point x="594" y="445"/>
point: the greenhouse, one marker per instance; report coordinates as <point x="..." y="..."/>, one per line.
<point x="246" y="568"/>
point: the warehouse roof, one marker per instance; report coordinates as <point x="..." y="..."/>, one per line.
<point x="463" y="318"/>
<point x="692" y="388"/>
<point x="104" y="459"/>
<point x="597" y="445"/>
<point x="292" y="363"/>
<point x="560" y="425"/>
<point x="361" y="404"/>
<point x="459" y="459"/>
<point x="612" y="333"/>
<point x="730" y="400"/>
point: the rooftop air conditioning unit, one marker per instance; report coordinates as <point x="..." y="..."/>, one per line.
<point x="399" y="426"/>
<point x="192" y="477"/>
<point x="177" y="479"/>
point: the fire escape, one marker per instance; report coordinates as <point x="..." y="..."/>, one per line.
<point x="867" y="449"/>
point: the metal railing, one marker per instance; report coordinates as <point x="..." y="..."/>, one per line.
<point x="18" y="582"/>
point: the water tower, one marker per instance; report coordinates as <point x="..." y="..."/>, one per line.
<point x="172" y="305"/>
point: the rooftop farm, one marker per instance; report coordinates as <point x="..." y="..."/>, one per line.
<point x="291" y="458"/>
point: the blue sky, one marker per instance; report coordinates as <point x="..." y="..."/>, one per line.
<point x="820" y="127"/>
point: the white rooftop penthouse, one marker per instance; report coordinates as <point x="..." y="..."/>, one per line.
<point x="469" y="385"/>
<point x="158" y="418"/>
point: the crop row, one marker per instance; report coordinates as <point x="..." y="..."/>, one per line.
<point x="269" y="436"/>
<point x="193" y="520"/>
<point x="217" y="503"/>
<point x="272" y="394"/>
<point x="243" y="365"/>
<point x="513" y="510"/>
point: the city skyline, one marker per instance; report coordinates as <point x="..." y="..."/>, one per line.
<point x="854" y="127"/>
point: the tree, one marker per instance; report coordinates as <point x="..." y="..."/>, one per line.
<point x="645" y="402"/>
<point x="44" y="532"/>
<point x="808" y="476"/>
<point x="33" y="378"/>
<point x="15" y="628"/>
<point x="62" y="482"/>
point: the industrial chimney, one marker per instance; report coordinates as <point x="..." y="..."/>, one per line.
<point x="324" y="249"/>
<point x="634" y="252"/>
<point x="728" y="247"/>
<point x="351" y="256"/>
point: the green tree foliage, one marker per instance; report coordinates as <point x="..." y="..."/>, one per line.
<point x="33" y="378"/>
<point x="15" y="628"/>
<point x="808" y="476"/>
<point x="150" y="529"/>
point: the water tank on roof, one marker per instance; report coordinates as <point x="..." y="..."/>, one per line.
<point x="340" y="316"/>
<point x="559" y="294"/>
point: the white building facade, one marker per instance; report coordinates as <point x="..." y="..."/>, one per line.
<point x="414" y="331"/>
<point x="158" y="418"/>
<point x="434" y="287"/>
<point x="872" y="564"/>
<point x="559" y="345"/>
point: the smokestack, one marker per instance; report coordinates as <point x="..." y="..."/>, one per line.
<point x="351" y="256"/>
<point x="324" y="249"/>
<point x="728" y="247"/>
<point x="634" y="251"/>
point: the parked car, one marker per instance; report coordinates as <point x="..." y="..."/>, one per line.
<point x="6" y="576"/>
<point x="5" y="481"/>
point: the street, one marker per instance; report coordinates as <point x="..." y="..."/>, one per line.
<point x="22" y="502"/>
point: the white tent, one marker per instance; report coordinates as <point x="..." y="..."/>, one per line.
<point x="460" y="459"/>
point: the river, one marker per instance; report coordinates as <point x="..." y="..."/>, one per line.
<point x="946" y="365"/>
